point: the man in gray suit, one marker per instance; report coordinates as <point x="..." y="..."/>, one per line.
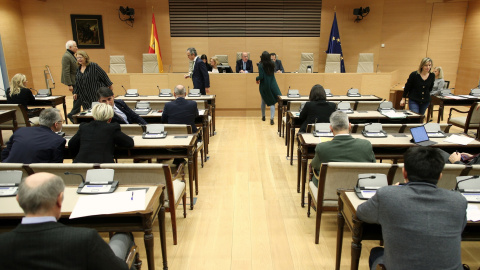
<point x="343" y="147"/>
<point x="421" y="224"/>
<point x="69" y="71"/>
<point x="40" y="242"/>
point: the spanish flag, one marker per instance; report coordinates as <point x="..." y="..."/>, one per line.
<point x="154" y="46"/>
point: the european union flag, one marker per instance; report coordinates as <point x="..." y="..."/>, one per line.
<point x="334" y="44"/>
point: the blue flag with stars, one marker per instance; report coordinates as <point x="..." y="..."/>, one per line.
<point x="334" y="44"/>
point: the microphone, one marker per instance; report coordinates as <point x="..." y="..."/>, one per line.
<point x="159" y="91"/>
<point x="124" y="90"/>
<point x="470" y="178"/>
<point x="368" y="177"/>
<point x="69" y="173"/>
<point x="377" y="67"/>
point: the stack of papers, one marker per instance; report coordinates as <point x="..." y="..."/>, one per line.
<point x="393" y="114"/>
<point x="463" y="140"/>
<point x="473" y="212"/>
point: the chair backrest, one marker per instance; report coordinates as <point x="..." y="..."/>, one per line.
<point x="172" y="129"/>
<point x="344" y="175"/>
<point x="294" y="106"/>
<point x="446" y="85"/>
<point x="239" y="55"/>
<point x="306" y="59"/>
<point x="70" y="129"/>
<point x="20" y="113"/>
<point x="202" y="104"/>
<point x="365" y="63"/>
<point x="117" y="64"/>
<point x="332" y="63"/>
<point x="473" y="116"/>
<point x="59" y="169"/>
<point x="449" y="175"/>
<point x="15" y="167"/>
<point x="150" y="63"/>
<point x="222" y="59"/>
<point x="475" y="170"/>
<point x="367" y="105"/>
<point x="132" y="129"/>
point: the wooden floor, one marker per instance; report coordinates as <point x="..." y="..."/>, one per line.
<point x="248" y="214"/>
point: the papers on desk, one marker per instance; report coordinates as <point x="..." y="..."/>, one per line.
<point x="463" y="140"/>
<point x="201" y="112"/>
<point x="394" y="115"/>
<point x="367" y="194"/>
<point x="473" y="212"/>
<point x="455" y="97"/>
<point x="102" y="204"/>
<point x="467" y="96"/>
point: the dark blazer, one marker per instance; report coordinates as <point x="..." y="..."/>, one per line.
<point x="132" y="117"/>
<point x="25" y="97"/>
<point x="69" y="68"/>
<point x="34" y="145"/>
<point x="316" y="112"/>
<point x="181" y="111"/>
<point x="249" y="66"/>
<point x="95" y="142"/>
<point x="200" y="77"/>
<point x="418" y="89"/>
<point x="421" y="225"/>
<point x="279" y="66"/>
<point x="54" y="246"/>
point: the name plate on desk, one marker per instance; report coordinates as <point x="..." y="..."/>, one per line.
<point x="8" y="191"/>
<point x="97" y="188"/>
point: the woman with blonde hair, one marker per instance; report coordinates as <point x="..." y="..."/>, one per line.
<point x="418" y="87"/>
<point x="214" y="64"/>
<point x="95" y="141"/>
<point x="18" y="93"/>
<point x="439" y="82"/>
<point x="90" y="77"/>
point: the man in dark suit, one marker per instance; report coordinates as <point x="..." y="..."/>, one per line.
<point x="181" y="110"/>
<point x="278" y="63"/>
<point x="343" y="147"/>
<point x="39" y="144"/>
<point x="244" y="65"/>
<point x="421" y="224"/>
<point x="123" y="113"/>
<point x="199" y="74"/>
<point x="39" y="242"/>
<point x="69" y="71"/>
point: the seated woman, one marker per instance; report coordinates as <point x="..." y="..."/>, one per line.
<point x="20" y="94"/>
<point x="317" y="110"/>
<point x="205" y="60"/>
<point x="95" y="141"/>
<point x="214" y="64"/>
<point x="439" y="83"/>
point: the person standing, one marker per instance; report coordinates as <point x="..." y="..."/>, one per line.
<point x="268" y="85"/>
<point x="199" y="74"/>
<point x="69" y="71"/>
<point x="418" y="87"/>
<point x="90" y="77"/>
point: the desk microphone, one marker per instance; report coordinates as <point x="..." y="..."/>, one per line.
<point x="159" y="91"/>
<point x="470" y="178"/>
<point x="124" y="90"/>
<point x="368" y="177"/>
<point x="69" y="173"/>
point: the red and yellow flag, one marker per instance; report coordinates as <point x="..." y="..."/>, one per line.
<point x="154" y="46"/>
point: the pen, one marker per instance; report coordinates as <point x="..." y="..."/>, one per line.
<point x="132" y="196"/>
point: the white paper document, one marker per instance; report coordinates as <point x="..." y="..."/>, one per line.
<point x="368" y="193"/>
<point x="103" y="204"/>
<point x="393" y="114"/>
<point x="463" y="140"/>
<point x="473" y="212"/>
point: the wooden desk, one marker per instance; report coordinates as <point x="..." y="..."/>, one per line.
<point x="347" y="209"/>
<point x="355" y="117"/>
<point x="389" y="147"/>
<point x="6" y="116"/>
<point x="209" y="98"/>
<point x="446" y="101"/>
<point x="52" y="101"/>
<point x="138" y="221"/>
<point x="283" y="100"/>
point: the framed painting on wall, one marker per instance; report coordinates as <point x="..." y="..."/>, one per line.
<point x="88" y="31"/>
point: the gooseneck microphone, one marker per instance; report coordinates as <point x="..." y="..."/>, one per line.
<point x="159" y="91"/>
<point x="69" y="173"/>
<point x="368" y="177"/>
<point x="470" y="178"/>
<point x="124" y="90"/>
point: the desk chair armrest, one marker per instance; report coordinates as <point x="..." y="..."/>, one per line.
<point x="312" y="172"/>
<point x="180" y="171"/>
<point x="457" y="110"/>
<point x="133" y="258"/>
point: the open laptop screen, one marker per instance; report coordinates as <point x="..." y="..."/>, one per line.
<point x="419" y="134"/>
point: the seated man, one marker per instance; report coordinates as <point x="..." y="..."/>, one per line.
<point x="181" y="110"/>
<point x="421" y="224"/>
<point x="343" y="147"/>
<point x="244" y="65"/>
<point x="39" y="144"/>
<point x="123" y="113"/>
<point x="278" y="63"/>
<point x="40" y="242"/>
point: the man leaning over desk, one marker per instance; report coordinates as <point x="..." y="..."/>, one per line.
<point x="122" y="113"/>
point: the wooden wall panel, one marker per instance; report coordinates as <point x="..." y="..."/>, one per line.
<point x="446" y="34"/>
<point x="469" y="63"/>
<point x="14" y="40"/>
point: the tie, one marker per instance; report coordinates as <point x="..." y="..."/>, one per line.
<point x="244" y="66"/>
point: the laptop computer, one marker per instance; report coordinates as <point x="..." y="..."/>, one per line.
<point x="420" y="136"/>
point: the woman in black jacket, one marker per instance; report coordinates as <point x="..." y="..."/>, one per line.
<point x="317" y="109"/>
<point x="418" y="87"/>
<point x="19" y="93"/>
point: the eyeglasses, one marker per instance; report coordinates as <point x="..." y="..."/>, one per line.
<point x="61" y="121"/>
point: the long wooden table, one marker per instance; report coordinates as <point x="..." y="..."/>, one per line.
<point x="138" y="221"/>
<point x="443" y="101"/>
<point x="283" y="101"/>
<point x="355" y="117"/>
<point x="209" y="98"/>
<point x="348" y="203"/>
<point x="51" y="101"/>
<point x="393" y="146"/>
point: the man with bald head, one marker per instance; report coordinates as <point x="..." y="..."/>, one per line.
<point x="181" y="110"/>
<point x="40" y="242"/>
<point x="244" y="65"/>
